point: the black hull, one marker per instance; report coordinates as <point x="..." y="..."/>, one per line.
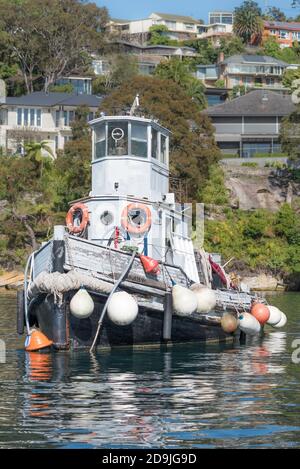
<point x="68" y="332"/>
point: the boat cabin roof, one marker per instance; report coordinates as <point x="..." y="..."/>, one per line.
<point x="154" y="123"/>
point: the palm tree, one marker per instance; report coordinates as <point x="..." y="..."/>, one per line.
<point x="248" y="21"/>
<point x="181" y="73"/>
<point x="195" y="89"/>
<point x="38" y="151"/>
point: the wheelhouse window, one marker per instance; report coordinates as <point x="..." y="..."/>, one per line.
<point x="139" y="140"/>
<point x="117" y="138"/>
<point x="100" y="142"/>
<point x="154" y="149"/>
<point x="163" y="149"/>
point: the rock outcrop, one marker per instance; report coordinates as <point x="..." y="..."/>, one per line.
<point x="254" y="188"/>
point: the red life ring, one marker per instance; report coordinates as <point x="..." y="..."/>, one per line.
<point x="128" y="223"/>
<point x="84" y="218"/>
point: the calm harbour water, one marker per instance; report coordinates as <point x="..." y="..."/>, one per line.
<point x="189" y="396"/>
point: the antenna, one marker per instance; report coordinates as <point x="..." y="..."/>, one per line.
<point x="135" y="105"/>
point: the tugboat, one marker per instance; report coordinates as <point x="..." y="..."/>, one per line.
<point x="124" y="271"/>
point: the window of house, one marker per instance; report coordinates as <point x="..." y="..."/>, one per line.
<point x="29" y="117"/>
<point x="118" y="138"/>
<point x="26" y="112"/>
<point x="139" y="140"/>
<point x="163" y="148"/>
<point x="19" y="116"/>
<point x="32" y="117"/>
<point x="38" y="118"/>
<point x="189" y="26"/>
<point x="273" y="32"/>
<point x="71" y="116"/>
<point x="57" y="118"/>
<point x="171" y="24"/>
<point x="100" y="142"/>
<point x="283" y="34"/>
<point x="65" y="118"/>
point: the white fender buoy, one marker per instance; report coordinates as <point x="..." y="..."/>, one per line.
<point x="249" y="324"/>
<point x="122" y="308"/>
<point x="82" y="304"/>
<point x="282" y="321"/>
<point x="184" y="300"/>
<point x="275" y="315"/>
<point x="206" y="298"/>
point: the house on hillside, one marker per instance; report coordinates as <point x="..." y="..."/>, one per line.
<point x="284" y="32"/>
<point x="250" y="124"/>
<point x="147" y="56"/>
<point x="180" y="27"/>
<point x="252" y="71"/>
<point x="41" y="116"/>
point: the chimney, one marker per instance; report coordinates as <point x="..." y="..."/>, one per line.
<point x="221" y="57"/>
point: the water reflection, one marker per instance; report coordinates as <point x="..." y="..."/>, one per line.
<point x="186" y="396"/>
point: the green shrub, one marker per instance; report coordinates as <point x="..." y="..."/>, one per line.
<point x="250" y="164"/>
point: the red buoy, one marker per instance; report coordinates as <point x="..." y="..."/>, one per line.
<point x="260" y="312"/>
<point x="150" y="265"/>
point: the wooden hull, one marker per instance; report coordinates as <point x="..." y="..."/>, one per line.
<point x="147" y="330"/>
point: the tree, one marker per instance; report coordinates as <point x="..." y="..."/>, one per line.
<point x="192" y="146"/>
<point x="271" y="47"/>
<point x="290" y="135"/>
<point x="207" y="53"/>
<point x="237" y="91"/>
<point x="248" y="21"/>
<point x="122" y="67"/>
<point x="51" y="38"/>
<point x="231" y="46"/>
<point x="159" y="36"/>
<point x="38" y="152"/>
<point x="181" y="73"/>
<point x="65" y="88"/>
<point x="289" y="78"/>
<point x="80" y="127"/>
<point x="274" y="14"/>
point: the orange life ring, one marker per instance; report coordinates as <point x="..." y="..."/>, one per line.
<point x="84" y="220"/>
<point x="127" y="222"/>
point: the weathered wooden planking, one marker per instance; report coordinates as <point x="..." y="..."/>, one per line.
<point x="89" y="256"/>
<point x="42" y="259"/>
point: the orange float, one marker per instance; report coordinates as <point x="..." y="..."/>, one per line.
<point x="151" y="266"/>
<point x="129" y="225"/>
<point x="260" y="312"/>
<point x="37" y="341"/>
<point x="73" y="229"/>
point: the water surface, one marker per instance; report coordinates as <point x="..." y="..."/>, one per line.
<point x="189" y="396"/>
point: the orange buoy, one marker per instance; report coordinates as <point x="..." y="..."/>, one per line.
<point x="229" y="323"/>
<point x="260" y="312"/>
<point x="150" y="265"/>
<point x="37" y="341"/>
